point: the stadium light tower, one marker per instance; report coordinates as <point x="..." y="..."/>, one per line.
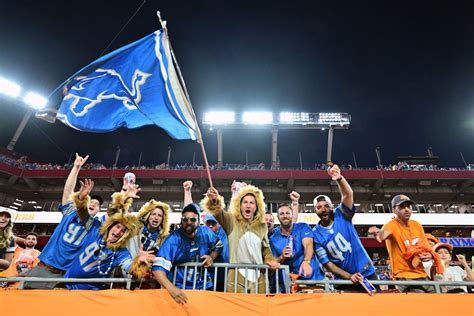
<point x="219" y="119"/>
<point x="34" y="100"/>
<point x="286" y="120"/>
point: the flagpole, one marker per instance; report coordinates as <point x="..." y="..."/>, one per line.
<point x="198" y="130"/>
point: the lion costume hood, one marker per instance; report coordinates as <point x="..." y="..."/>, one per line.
<point x="131" y="225"/>
<point x="144" y="214"/>
<point x="234" y="206"/>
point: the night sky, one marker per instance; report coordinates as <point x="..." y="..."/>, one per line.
<point x="404" y="71"/>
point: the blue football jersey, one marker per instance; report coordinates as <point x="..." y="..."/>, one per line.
<point x="178" y="248"/>
<point x="86" y="264"/>
<point x="67" y="239"/>
<point x="224" y="257"/>
<point x="148" y="239"/>
<point x="299" y="231"/>
<point x="341" y="245"/>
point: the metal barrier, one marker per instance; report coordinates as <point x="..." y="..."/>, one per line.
<point x="235" y="267"/>
<point x="436" y="284"/>
<point x="226" y="267"/>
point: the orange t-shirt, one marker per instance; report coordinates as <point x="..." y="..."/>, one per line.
<point x="398" y="241"/>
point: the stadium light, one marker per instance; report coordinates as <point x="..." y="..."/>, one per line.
<point x="334" y="118"/>
<point x="218" y="118"/>
<point x="259" y="118"/>
<point x="35" y="100"/>
<point x="294" y="117"/>
<point x="9" y="88"/>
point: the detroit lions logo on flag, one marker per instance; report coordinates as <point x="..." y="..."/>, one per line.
<point x="81" y="105"/>
<point x="133" y="86"/>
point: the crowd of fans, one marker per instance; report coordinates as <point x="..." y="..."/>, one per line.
<point x="143" y="245"/>
<point x="24" y="163"/>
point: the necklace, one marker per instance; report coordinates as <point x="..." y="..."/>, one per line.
<point x="99" y="261"/>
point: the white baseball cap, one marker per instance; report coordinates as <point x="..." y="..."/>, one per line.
<point x="9" y="211"/>
<point x="320" y="198"/>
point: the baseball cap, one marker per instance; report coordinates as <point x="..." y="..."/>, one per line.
<point x="210" y="217"/>
<point x="193" y="207"/>
<point x="399" y="199"/>
<point x="9" y="211"/>
<point x="442" y="245"/>
<point x="320" y="198"/>
<point x="98" y="198"/>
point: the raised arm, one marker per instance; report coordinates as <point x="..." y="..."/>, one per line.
<point x="82" y="199"/>
<point x="72" y="178"/>
<point x="187" y="186"/>
<point x="295" y="206"/>
<point x="347" y="196"/>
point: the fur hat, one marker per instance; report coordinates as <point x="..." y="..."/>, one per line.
<point x="237" y="198"/>
<point x="6" y="234"/>
<point x="144" y="214"/>
<point x="120" y="204"/>
<point x="131" y="225"/>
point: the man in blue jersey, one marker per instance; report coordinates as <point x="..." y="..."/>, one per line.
<point x="337" y="244"/>
<point x="104" y="247"/>
<point x="213" y="225"/>
<point x="190" y="243"/>
<point x="292" y="244"/>
<point x="68" y="237"/>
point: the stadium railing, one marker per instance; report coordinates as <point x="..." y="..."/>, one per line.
<point x="327" y="285"/>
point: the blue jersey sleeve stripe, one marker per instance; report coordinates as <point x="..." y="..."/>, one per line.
<point x="162" y="262"/>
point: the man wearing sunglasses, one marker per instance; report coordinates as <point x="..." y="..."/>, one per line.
<point x="336" y="241"/>
<point x="190" y="243"/>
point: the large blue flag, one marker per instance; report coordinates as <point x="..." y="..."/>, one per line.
<point x="133" y="86"/>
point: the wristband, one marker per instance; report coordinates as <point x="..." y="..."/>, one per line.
<point x="339" y="180"/>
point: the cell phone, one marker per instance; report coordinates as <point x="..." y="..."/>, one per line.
<point x="369" y="287"/>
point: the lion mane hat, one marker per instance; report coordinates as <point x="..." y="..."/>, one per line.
<point x="131" y="225"/>
<point x="144" y="214"/>
<point x="234" y="206"/>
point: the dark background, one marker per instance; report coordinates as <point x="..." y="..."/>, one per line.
<point x="404" y="71"/>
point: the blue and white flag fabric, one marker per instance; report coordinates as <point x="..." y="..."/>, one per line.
<point x="133" y="86"/>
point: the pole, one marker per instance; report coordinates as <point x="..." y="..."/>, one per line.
<point x="430" y="152"/>
<point x="274" y="146"/>
<point x="140" y="159"/>
<point x="355" y="161"/>
<point x="117" y="155"/>
<point x="194" y="159"/>
<point x="330" y="137"/>
<point x="169" y="157"/>
<point x="190" y="107"/>
<point x="219" y="148"/>
<point x="19" y="130"/>
<point x="69" y="160"/>
<point x="379" y="158"/>
<point x="246" y="158"/>
<point x="464" y="160"/>
<point x="301" y="161"/>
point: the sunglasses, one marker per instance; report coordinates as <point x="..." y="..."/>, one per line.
<point x="191" y="219"/>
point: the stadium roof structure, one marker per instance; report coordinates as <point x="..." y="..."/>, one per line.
<point x="371" y="187"/>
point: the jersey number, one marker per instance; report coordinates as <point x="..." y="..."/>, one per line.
<point x="338" y="246"/>
<point x="87" y="254"/>
<point x="71" y="235"/>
